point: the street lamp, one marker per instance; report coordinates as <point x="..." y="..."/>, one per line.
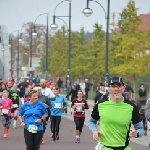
<point x="87" y="12"/>
<point x="20" y="39"/>
<point x="35" y="33"/>
<point x="54" y="26"/>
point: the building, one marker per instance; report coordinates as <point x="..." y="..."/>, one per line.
<point x="145" y="25"/>
<point x="5" y="55"/>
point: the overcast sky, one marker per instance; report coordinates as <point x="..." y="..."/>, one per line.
<point x="15" y="13"/>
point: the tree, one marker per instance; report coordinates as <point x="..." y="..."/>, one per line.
<point x="58" y="53"/>
<point x="127" y="49"/>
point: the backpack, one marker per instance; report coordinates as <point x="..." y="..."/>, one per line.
<point x="142" y="110"/>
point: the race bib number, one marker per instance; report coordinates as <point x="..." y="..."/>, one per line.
<point x="5" y="111"/>
<point x="32" y="128"/>
<point x="99" y="146"/>
<point x="15" y="105"/>
<point x="58" y="105"/>
<point x="79" y="109"/>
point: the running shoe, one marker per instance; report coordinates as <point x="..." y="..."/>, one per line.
<point x="5" y="135"/>
<point x="43" y="141"/>
<point x="77" y="140"/>
<point x="14" y="126"/>
<point x="57" y="137"/>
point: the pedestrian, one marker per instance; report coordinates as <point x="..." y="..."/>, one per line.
<point x="5" y="117"/>
<point x="147" y="112"/>
<point x="59" y="83"/>
<point x="100" y="94"/>
<point x="79" y="105"/>
<point x="82" y="87"/>
<point x="142" y="91"/>
<point x="14" y="96"/>
<point x="87" y="88"/>
<point x="31" y="116"/>
<point x="115" y="114"/>
<point x="56" y="113"/>
<point x="73" y="94"/>
<point x="37" y="80"/>
<point x="141" y="103"/>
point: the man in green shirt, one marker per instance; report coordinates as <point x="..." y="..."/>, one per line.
<point x="116" y="115"/>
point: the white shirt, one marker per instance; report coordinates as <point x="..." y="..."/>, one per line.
<point x="82" y="86"/>
<point x="47" y="92"/>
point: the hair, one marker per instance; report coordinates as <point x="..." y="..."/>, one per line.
<point x="5" y="91"/>
<point x="56" y="88"/>
<point x="32" y="92"/>
<point x="80" y="91"/>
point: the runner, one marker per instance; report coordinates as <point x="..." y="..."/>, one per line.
<point x="56" y="113"/>
<point x="79" y="105"/>
<point x="5" y="116"/>
<point x="45" y="100"/>
<point x="115" y="114"/>
<point x="33" y="112"/>
<point x="14" y="96"/>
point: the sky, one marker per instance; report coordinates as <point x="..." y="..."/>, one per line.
<point x="15" y="13"/>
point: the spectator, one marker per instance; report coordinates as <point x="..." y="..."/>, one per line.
<point x="100" y="94"/>
<point x="77" y="84"/>
<point x="87" y="88"/>
<point x="59" y="82"/>
<point x="37" y="80"/>
<point x="142" y="91"/>
<point x="82" y="87"/>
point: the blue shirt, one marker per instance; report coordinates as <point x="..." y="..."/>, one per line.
<point x="31" y="113"/>
<point x="59" y="101"/>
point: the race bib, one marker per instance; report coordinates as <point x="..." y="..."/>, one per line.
<point x="99" y="146"/>
<point x="15" y="105"/>
<point x="32" y="128"/>
<point x="58" y="105"/>
<point x="79" y="109"/>
<point x="5" y="111"/>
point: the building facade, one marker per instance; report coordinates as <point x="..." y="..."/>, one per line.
<point x="5" y="55"/>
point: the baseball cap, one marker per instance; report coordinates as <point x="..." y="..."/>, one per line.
<point x="115" y="79"/>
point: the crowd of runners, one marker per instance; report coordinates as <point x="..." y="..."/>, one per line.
<point x="34" y="104"/>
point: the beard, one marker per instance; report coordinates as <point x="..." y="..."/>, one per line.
<point x="43" y="86"/>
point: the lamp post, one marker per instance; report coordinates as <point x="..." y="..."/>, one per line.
<point x="54" y="26"/>
<point x="20" y="40"/>
<point x="10" y="46"/>
<point x="34" y="33"/>
<point x="87" y="12"/>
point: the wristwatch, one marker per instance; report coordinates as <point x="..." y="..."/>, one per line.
<point x="41" y="119"/>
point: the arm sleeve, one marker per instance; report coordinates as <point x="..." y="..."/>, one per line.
<point x="139" y="128"/>
<point x="92" y="124"/>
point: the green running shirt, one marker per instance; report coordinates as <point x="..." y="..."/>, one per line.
<point x="115" y="121"/>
